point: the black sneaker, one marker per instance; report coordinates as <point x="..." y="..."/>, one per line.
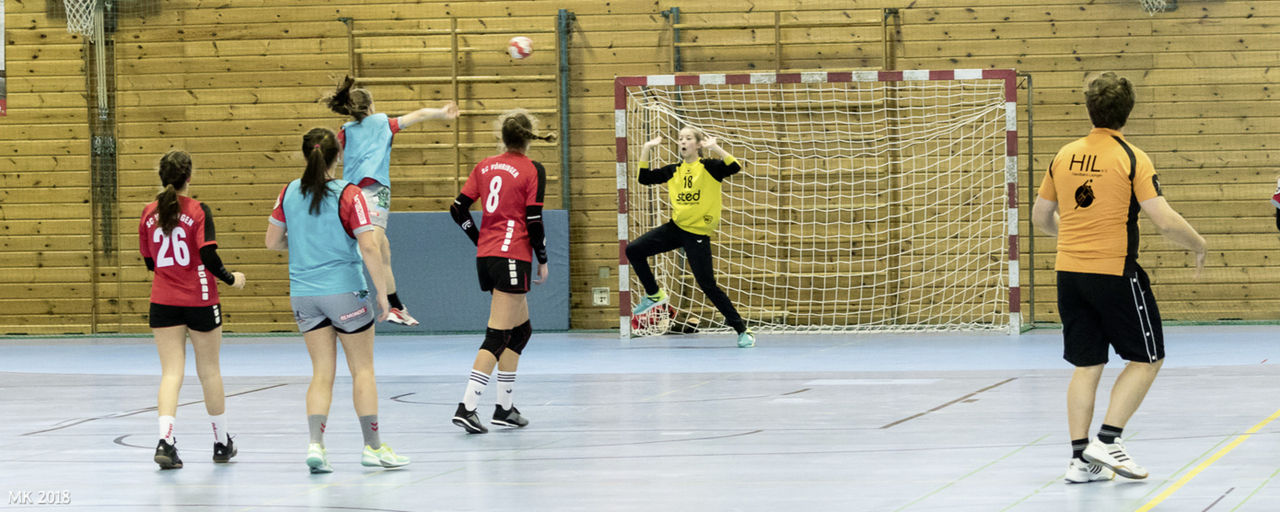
<point x="167" y="455"/>
<point x="224" y="452"/>
<point x="511" y="418"/>
<point x="468" y="420"/>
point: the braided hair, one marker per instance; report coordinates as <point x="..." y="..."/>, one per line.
<point x="517" y="128"/>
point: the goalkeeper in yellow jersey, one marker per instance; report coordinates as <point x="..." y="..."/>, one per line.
<point x="694" y="186"/>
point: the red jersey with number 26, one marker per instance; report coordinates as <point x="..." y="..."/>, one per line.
<point x="181" y="279"/>
<point x="504" y="185"/>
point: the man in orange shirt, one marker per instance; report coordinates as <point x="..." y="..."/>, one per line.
<point x="1090" y="200"/>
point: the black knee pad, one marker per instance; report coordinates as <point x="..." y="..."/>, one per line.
<point x="520" y="337"/>
<point x="495" y="341"/>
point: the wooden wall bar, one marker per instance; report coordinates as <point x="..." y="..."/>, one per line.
<point x="236" y="83"/>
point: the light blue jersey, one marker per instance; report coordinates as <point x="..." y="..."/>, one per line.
<point x="324" y="257"/>
<point x="367" y="151"/>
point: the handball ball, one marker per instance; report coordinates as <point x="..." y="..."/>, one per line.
<point x="520" y="47"/>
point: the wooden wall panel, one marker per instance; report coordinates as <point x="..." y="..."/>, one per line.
<point x="235" y="84"/>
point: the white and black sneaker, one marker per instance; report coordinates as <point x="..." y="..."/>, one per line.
<point x="222" y="453"/>
<point x="1080" y="472"/>
<point x="508" y="418"/>
<point x="468" y="420"/>
<point x="1115" y="458"/>
<point x="167" y="455"/>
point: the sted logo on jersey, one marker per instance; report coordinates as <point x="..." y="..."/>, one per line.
<point x="688" y="195"/>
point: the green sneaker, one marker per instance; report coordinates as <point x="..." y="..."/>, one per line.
<point x="649" y="301"/>
<point x="382" y="457"/>
<point x="747" y="339"/>
<point x="318" y="459"/>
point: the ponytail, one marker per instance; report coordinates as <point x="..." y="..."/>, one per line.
<point x="175" y="170"/>
<point x="517" y="127"/>
<point x="320" y="147"/>
<point x="357" y="103"/>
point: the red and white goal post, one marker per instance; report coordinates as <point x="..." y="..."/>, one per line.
<point x="869" y="201"/>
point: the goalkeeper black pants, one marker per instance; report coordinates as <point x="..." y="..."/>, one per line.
<point x="697" y="252"/>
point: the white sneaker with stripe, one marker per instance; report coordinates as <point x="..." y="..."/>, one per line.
<point x="1114" y="457"/>
<point x="1079" y="472"/>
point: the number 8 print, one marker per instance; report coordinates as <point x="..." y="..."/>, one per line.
<point x="495" y="186"/>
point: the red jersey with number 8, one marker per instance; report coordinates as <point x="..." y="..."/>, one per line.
<point x="504" y="185"/>
<point x="181" y="279"/>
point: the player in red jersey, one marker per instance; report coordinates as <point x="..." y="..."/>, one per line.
<point x="510" y="187"/>
<point x="177" y="241"/>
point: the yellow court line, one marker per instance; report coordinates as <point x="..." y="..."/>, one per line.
<point x="1205" y="465"/>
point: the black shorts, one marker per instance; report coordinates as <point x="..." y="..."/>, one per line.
<point x="503" y="274"/>
<point x="1101" y="310"/>
<point x="199" y="319"/>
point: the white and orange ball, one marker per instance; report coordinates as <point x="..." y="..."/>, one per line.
<point x="520" y="47"/>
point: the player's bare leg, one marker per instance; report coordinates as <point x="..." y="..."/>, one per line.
<point x="171" y="343"/>
<point x="399" y="312"/>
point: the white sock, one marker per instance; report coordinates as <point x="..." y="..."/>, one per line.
<point x="506" y="384"/>
<point x="475" y="386"/>
<point x="219" y="428"/>
<point x="166" y="429"/>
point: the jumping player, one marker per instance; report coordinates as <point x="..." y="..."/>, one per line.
<point x="366" y="157"/>
<point x="511" y="187"/>
<point x="1104" y="297"/>
<point x="184" y="301"/>
<point x="694" y="185"/>
<point x="324" y="224"/>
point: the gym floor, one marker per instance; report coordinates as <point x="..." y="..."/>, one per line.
<point x="955" y="422"/>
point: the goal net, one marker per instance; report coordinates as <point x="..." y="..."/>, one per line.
<point x="868" y="201"/>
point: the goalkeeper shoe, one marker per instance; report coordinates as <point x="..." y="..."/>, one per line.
<point x="649" y="301"/>
<point x="747" y="339"/>
<point x="1081" y="472"/>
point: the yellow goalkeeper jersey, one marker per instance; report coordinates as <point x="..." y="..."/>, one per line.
<point x="694" y="188"/>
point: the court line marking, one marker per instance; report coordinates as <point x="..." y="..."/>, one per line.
<point x="1035" y="492"/>
<point x="140" y="411"/>
<point x="1209" y="462"/>
<point x="1255" y="491"/>
<point x="1187" y="465"/>
<point x="953" y="402"/>
<point x="748" y="370"/>
<point x="1215" y="502"/>
<point x="971" y="473"/>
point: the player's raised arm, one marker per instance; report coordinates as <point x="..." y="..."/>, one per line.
<point x="722" y="165"/>
<point x="648" y="175"/>
<point x="448" y="111"/>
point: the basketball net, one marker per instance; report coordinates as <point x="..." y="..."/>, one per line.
<point x="1153" y="6"/>
<point x="80" y="16"/>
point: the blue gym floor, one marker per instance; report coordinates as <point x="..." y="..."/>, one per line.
<point x="941" y="422"/>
